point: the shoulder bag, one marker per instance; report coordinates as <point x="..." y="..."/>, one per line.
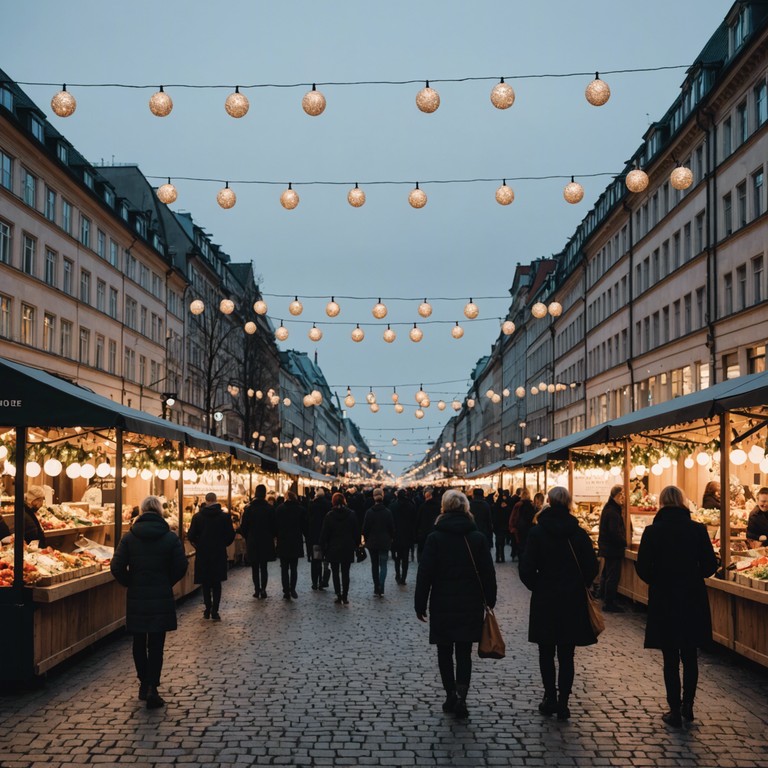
<point x="596" y="619"/>
<point x="491" y="645"/>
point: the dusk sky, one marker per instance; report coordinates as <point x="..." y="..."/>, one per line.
<point x="462" y="244"/>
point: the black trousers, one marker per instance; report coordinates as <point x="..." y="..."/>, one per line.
<point x="609" y="579"/>
<point x="500" y="543"/>
<point x="148" y="656"/>
<point x="289" y="573"/>
<point x="401" y="555"/>
<point x="321" y="572"/>
<point x="340" y="580"/>
<point x="463" y="671"/>
<point x="565" y="673"/>
<point x="260" y="574"/>
<point x="690" y="661"/>
<point x="212" y="595"/>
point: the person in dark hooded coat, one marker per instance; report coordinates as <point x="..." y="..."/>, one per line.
<point x="290" y="527"/>
<point x="674" y="558"/>
<point x="339" y="540"/>
<point x="447" y="579"/>
<point x="319" y="569"/>
<point x="404" y="516"/>
<point x="211" y="532"/>
<point x="149" y="560"/>
<point x="258" y="529"/>
<point x="557" y="565"/>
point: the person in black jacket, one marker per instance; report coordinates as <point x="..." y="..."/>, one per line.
<point x="501" y="513"/>
<point x="481" y="511"/>
<point x="425" y="519"/>
<point x="319" y="568"/>
<point x="404" y="517"/>
<point x="211" y="532"/>
<point x="611" y="543"/>
<point x="674" y="558"/>
<point x="378" y="533"/>
<point x="557" y="565"/>
<point x="339" y="540"/>
<point x="290" y="525"/>
<point x="149" y="560"/>
<point x="455" y="588"/>
<point x="258" y="529"/>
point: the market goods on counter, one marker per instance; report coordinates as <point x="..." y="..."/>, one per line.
<point x="43" y="567"/>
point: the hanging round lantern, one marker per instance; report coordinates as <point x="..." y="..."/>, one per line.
<point x="370" y="397"/>
<point x="555" y="309"/>
<point x="636" y="180"/>
<point x="250" y="327"/>
<point x="489" y="394"/>
<point x="505" y="392"/>
<point x="260" y="307"/>
<point x="399" y="408"/>
<point x="332" y="309"/>
<point x="507" y="327"/>
<point x="420" y="395"/>
<point x="102" y="469"/>
<point x="160" y="103"/>
<point x="358" y="334"/>
<point x="374" y="407"/>
<point x="316" y="396"/>
<point x="226" y="306"/>
<point x="428" y="99"/>
<point x="296" y="307"/>
<point x="237" y="104"/>
<point x="505" y="195"/>
<point x="418" y="413"/>
<point x="33" y="469"/>
<point x="416" y="334"/>
<point x="167" y="193"/>
<point x="389" y="335"/>
<point x="496" y="399"/>
<point x="597" y="92"/>
<point x="756" y="454"/>
<point x="738" y="457"/>
<point x="702" y="459"/>
<point x="534" y="390"/>
<point x="349" y="401"/>
<point x="197" y="307"/>
<point x="457" y="331"/>
<point x="356" y="197"/>
<point x="502" y="95"/>
<point x="471" y="310"/>
<point x="394" y="441"/>
<point x="441" y="405"/>
<point x="681" y="177"/>
<point x="417" y="197"/>
<point x="53" y="467"/>
<point x="527" y="441"/>
<point x="573" y="192"/>
<point x="281" y="334"/>
<point x="73" y="471"/>
<point x="313" y="102"/>
<point x="470" y="402"/>
<point x="764" y="465"/>
<point x="226" y="197"/>
<point x="539" y="310"/>
<point x="456" y="405"/>
<point x="63" y="103"/>
<point x="379" y="311"/>
<point x="425" y="309"/>
<point x="395" y="396"/>
<point x="289" y="199"/>
<point x="315" y="334"/>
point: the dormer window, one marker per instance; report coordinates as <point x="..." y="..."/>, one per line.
<point x="109" y="197"/>
<point x="6" y="98"/>
<point x="62" y="151"/>
<point x="124" y="211"/>
<point x="38" y="131"/>
<point x="88" y="179"/>
<point x="739" y="29"/>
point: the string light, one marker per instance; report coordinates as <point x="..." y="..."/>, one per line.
<point x="681" y="177"/>
<point x="358" y="334"/>
<point x="226" y="306"/>
<point x="637" y="180"/>
<point x="260" y="307"/>
<point x="507" y="327"/>
<point x="471" y="310"/>
<point x="313" y="102"/>
<point x="296" y="307"/>
<point x="416" y="334"/>
<point x="226" y="197"/>
<point x="332" y="309"/>
<point x="197" y="307"/>
<point x="315" y="334"/>
<point x="597" y="92"/>
<point x="425" y="309"/>
<point x="504" y="194"/>
<point x="502" y="95"/>
<point x="237" y="104"/>
<point x="167" y="193"/>
<point x="250" y="328"/>
<point x="417" y="197"/>
<point x="428" y="99"/>
<point x="573" y="192"/>
<point x="457" y="331"/>
<point x="281" y="334"/>
<point x="63" y="103"/>
<point x="389" y="335"/>
<point x="289" y="199"/>
<point x="356" y="197"/>
<point x="160" y="103"/>
<point x="379" y="310"/>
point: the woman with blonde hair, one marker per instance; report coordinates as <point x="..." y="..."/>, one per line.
<point x="455" y="574"/>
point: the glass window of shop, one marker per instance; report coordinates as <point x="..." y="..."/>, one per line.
<point x="756" y="359"/>
<point x="731" y="368"/>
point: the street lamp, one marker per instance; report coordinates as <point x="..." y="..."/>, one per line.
<point x="169" y="400"/>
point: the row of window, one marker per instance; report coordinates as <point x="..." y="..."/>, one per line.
<point x="736" y="209"/>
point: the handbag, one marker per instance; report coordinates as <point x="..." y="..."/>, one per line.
<point x="491" y="645"/>
<point x="317" y="552"/>
<point x="596" y="619"/>
<point x="360" y="554"/>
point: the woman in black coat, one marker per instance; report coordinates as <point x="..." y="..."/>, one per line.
<point x="558" y="564"/>
<point x="674" y="558"/>
<point x="290" y="525"/>
<point x="447" y="579"/>
<point x="339" y="540"/>
<point x="258" y="529"/>
<point x="211" y="532"/>
<point x="149" y="560"/>
<point x="319" y="568"/>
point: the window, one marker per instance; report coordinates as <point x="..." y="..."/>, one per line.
<point x="727" y="215"/>
<point x="756" y="359"/>
<point x="6" y="98"/>
<point x="85" y="286"/>
<point x="113" y="303"/>
<point x="144" y="277"/>
<point x="66" y="339"/>
<point x="129" y="364"/>
<point x="142" y="369"/>
<point x="728" y="294"/>
<point x="28" y="325"/>
<point x="731" y="366"/>
<point x="85" y="346"/>
<point x="112" y="359"/>
<point x="646" y="334"/>
<point x="656" y="330"/>
<point x="131" y="312"/>
<point x="130" y="266"/>
<point x="742" y="126"/>
<point x="655" y="268"/>
<point x="101" y="244"/>
<point x="114" y="254"/>
<point x="50" y="204"/>
<point x="6" y="171"/>
<point x="687" y="242"/>
<point x="664" y="259"/>
<point x="85" y="231"/>
<point x="5" y="243"/>
<point x="702" y="370"/>
<point x="727" y="138"/>
<point x="157" y="286"/>
<point x="665" y="325"/>
<point x="157" y="328"/>
<point x="741" y="204"/>
<point x="38" y="131"/>
<point x="676" y="307"/>
<point x="101" y="295"/>
<point x="676" y="251"/>
<point x="173" y="302"/>
<point x="757" y="279"/>
<point x="88" y="179"/>
<point x="51" y="266"/>
<point x="665" y="199"/>
<point x="738" y="31"/>
<point x="688" y="313"/>
<point x="757" y="193"/>
<point x="99" y="361"/>
<point x="761" y="104"/>
<point x="28" y="251"/>
<point x="66" y="217"/>
<point x="741" y="287"/>
<point x="109" y="197"/>
<point x="62" y="152"/>
<point x="699" y="232"/>
<point x="49" y="333"/>
<point x="143" y="321"/>
<point x="5" y="317"/>
<point x="28" y="188"/>
<point x="700" y="311"/>
<point x="69" y="268"/>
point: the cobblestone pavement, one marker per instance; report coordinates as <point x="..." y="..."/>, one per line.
<point x="310" y="683"/>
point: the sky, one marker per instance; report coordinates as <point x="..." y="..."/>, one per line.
<point x="462" y="244"/>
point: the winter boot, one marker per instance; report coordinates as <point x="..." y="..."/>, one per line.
<point x="563" y="713"/>
<point x="548" y="704"/>
<point x="449" y="705"/>
<point x="686" y="710"/>
<point x="673" y="717"/>
<point x="153" y="698"/>
<point x="460" y="710"/>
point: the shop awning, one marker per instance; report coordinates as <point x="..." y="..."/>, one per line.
<point x="558" y="449"/>
<point x="298" y="471"/>
<point x="267" y="463"/>
<point x="492" y="469"/>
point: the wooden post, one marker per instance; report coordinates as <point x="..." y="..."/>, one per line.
<point x="725" y="490"/>
<point x="627" y="470"/>
<point x="229" y="487"/>
<point x="570" y="472"/>
<point x="546" y="463"/>
<point x="18" y="508"/>
<point x="118" y="485"/>
<point x="181" y="491"/>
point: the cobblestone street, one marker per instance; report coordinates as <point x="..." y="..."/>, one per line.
<point x="308" y="682"/>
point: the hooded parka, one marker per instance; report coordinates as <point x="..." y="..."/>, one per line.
<point x="340" y="535"/>
<point x="258" y="529"/>
<point x="211" y="532"/>
<point x="290" y="524"/>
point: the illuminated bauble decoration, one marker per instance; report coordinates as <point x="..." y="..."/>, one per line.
<point x="426" y="402"/>
<point x="260" y="307"/>
<point x="332" y="309"/>
<point x="520" y="392"/>
<point x="226" y="197"/>
<point x="496" y="398"/>
<point x="370" y="397"/>
<point x="764" y="465"/>
<point x="389" y="335"/>
<point x="527" y="441"/>
<point x="73" y="470"/>
<point x="33" y="469"/>
<point x="313" y="102"/>
<point x="307" y="401"/>
<point x="665" y="462"/>
<point x="689" y="462"/>
<point x="296" y="307"/>
<point x="470" y="402"/>
<point x="428" y="99"/>
<point x="505" y="195"/>
<point x="315" y="334"/>
<point x="287" y="402"/>
<point x="502" y="95"/>
<point x="441" y="405"/>
<point x="399" y="408"/>
<point x="573" y="192"/>
<point x="636" y="180"/>
<point x="681" y="177"/>
<point x="250" y="327"/>
<point x="289" y="199"/>
<point x="456" y="405"/>
<point x="379" y="310"/>
<point x="425" y="309"/>
<point x="394" y="441"/>
<point x="539" y="310"/>
<point x="550" y="388"/>
<point x="417" y="197"/>
<point x="420" y="396"/>
<point x="416" y="334"/>
<point x="374" y="407"/>
<point x="418" y="413"/>
<point x="702" y="459"/>
<point x="349" y="401"/>
<point x="615" y="471"/>
<point x="87" y="471"/>
<point x="738" y="457"/>
<point x="175" y="474"/>
<point x="281" y="334"/>
<point x="145" y="474"/>
<point x="63" y="103"/>
<point x="716" y="457"/>
<point x="534" y="390"/>
<point x="274" y="400"/>
<point x="507" y="327"/>
<point x="471" y="311"/>
<point x="237" y="104"/>
<point x="167" y="193"/>
<point x="316" y="396"/>
<point x="756" y="454"/>
<point x="358" y="334"/>
<point x="457" y="331"/>
<point x="226" y="306"/>
<point x="657" y="469"/>
<point x="53" y="468"/>
<point x="356" y="197"/>
<point x="160" y="103"/>
<point x="163" y="474"/>
<point x="597" y="92"/>
<point x="555" y="309"/>
<point x="197" y="307"/>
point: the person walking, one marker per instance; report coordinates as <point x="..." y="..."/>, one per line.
<point x="339" y="540"/>
<point x="290" y="525"/>
<point x="425" y="519"/>
<point x="404" y="518"/>
<point x="501" y="512"/>
<point x="521" y="519"/>
<point x="674" y="558"/>
<point x="211" y="532"/>
<point x="448" y="582"/>
<point x="149" y="560"/>
<point x="481" y="511"/>
<point x="258" y="529"/>
<point x="557" y="565"/>
<point x="378" y="533"/>
<point x="319" y="569"/>
<point x="611" y="543"/>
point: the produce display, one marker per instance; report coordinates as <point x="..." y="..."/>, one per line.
<point x="61" y="516"/>
<point x="43" y="567"/>
<point x="712" y="517"/>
